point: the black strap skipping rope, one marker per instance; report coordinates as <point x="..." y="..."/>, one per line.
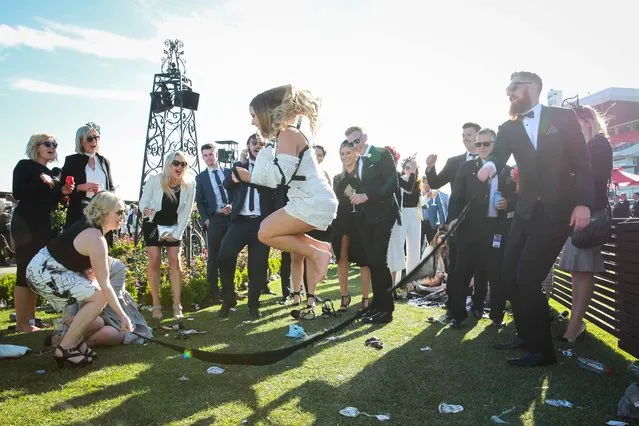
<point x="273" y="356"/>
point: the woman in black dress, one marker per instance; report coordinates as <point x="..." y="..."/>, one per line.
<point x="90" y="170"/>
<point x="38" y="194"/>
<point x="583" y="263"/>
<point x="345" y="239"/>
<point x="166" y="204"/>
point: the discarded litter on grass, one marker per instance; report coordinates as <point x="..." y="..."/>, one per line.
<point x="41" y="371"/>
<point x="616" y="423"/>
<point x="498" y="418"/>
<point x="183" y="378"/>
<point x="559" y="403"/>
<point x="354" y="412"/>
<point x="215" y="370"/>
<point x="426" y="349"/>
<point x="445" y="408"/>
<point x="296" y="332"/>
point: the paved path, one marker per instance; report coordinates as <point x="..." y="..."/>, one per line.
<point x="7" y="270"/>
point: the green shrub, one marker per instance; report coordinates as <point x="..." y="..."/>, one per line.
<point x="7" y="284"/>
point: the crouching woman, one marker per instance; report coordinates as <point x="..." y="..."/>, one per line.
<point x="74" y="267"/>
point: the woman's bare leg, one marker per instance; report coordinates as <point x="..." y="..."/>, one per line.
<point x="25" y="301"/>
<point x="85" y="317"/>
<point x="365" y="279"/>
<point x="342" y="265"/>
<point x="297" y="277"/>
<point x="583" y="286"/>
<point x="175" y="269"/>
<point x="284" y="232"/>
<point x="155" y="261"/>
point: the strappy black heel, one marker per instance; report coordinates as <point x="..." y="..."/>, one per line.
<point x="346" y="301"/>
<point x="307" y="313"/>
<point x="298" y="294"/>
<point x="72" y="356"/>
<point x="363" y="304"/>
<point x="86" y="350"/>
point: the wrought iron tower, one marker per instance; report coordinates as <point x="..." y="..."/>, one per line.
<point x="171" y="127"/>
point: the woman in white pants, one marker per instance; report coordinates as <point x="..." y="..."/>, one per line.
<point x="411" y="229"/>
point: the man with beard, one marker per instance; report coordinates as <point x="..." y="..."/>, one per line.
<point x="555" y="194"/>
<point x="378" y="176"/>
<point x="250" y="205"/>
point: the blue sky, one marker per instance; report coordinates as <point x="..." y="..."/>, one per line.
<point x="409" y="73"/>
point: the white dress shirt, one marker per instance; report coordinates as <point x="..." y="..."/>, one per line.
<point x="470" y="156"/>
<point x="217" y="188"/>
<point x="532" y="124"/>
<point x="256" y="198"/>
<point x="360" y="166"/>
<point x="95" y="176"/>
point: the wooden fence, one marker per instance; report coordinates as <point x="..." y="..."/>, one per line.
<point x="615" y="303"/>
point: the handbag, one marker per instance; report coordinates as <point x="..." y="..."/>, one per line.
<point x="596" y="233"/>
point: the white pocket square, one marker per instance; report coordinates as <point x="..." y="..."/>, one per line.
<point x="371" y="166"/>
<point x="552" y="130"/>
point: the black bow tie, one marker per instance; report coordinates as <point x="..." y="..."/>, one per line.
<point x="473" y="156"/>
<point x="529" y="114"/>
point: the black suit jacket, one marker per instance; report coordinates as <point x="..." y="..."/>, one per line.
<point x="205" y="195"/>
<point x="74" y="165"/>
<point x="470" y="189"/>
<point x="558" y="173"/>
<point x="379" y="183"/>
<point x="239" y="191"/>
<point x="448" y="173"/>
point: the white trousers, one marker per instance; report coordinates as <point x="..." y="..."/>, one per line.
<point x="410" y="233"/>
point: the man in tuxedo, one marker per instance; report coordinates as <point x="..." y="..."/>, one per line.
<point x="635" y="206"/>
<point x="378" y="176"/>
<point x="250" y="205"/>
<point x="482" y="236"/>
<point x="555" y="194"/>
<point x="623" y="208"/>
<point x="449" y="172"/>
<point x="213" y="204"/>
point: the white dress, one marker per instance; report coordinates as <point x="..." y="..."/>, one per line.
<point x="311" y="200"/>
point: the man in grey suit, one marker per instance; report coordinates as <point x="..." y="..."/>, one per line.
<point x="213" y="204"/>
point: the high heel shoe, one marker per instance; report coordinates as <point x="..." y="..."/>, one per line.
<point x="580" y="337"/>
<point x="177" y="312"/>
<point x="71" y="356"/>
<point x="299" y="297"/>
<point x="157" y="313"/>
<point x="363" y="304"/>
<point x="84" y="349"/>
<point x="346" y="301"/>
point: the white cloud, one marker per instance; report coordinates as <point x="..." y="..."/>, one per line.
<point x="95" y="42"/>
<point x="44" y="87"/>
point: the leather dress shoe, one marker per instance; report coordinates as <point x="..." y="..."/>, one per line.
<point x="455" y="324"/>
<point x="516" y="343"/>
<point x="254" y="313"/>
<point x="269" y="292"/>
<point x="379" y="318"/>
<point x="216" y="300"/>
<point x="225" y="310"/>
<point x="478" y="313"/>
<point x="533" y="359"/>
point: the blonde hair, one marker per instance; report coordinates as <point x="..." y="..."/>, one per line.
<point x="165" y="180"/>
<point x="82" y="133"/>
<point x="102" y="204"/>
<point x="274" y="108"/>
<point x="32" y="146"/>
<point x="595" y="119"/>
<point x="353" y="129"/>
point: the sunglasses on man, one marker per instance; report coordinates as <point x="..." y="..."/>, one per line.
<point x="177" y="163"/>
<point x="484" y="144"/>
<point x="515" y="84"/>
<point x="49" y="144"/>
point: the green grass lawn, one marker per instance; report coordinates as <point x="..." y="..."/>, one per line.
<point x="139" y="384"/>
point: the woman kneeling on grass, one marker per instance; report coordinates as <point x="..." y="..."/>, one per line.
<point x="106" y="329"/>
<point x="74" y="267"/>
